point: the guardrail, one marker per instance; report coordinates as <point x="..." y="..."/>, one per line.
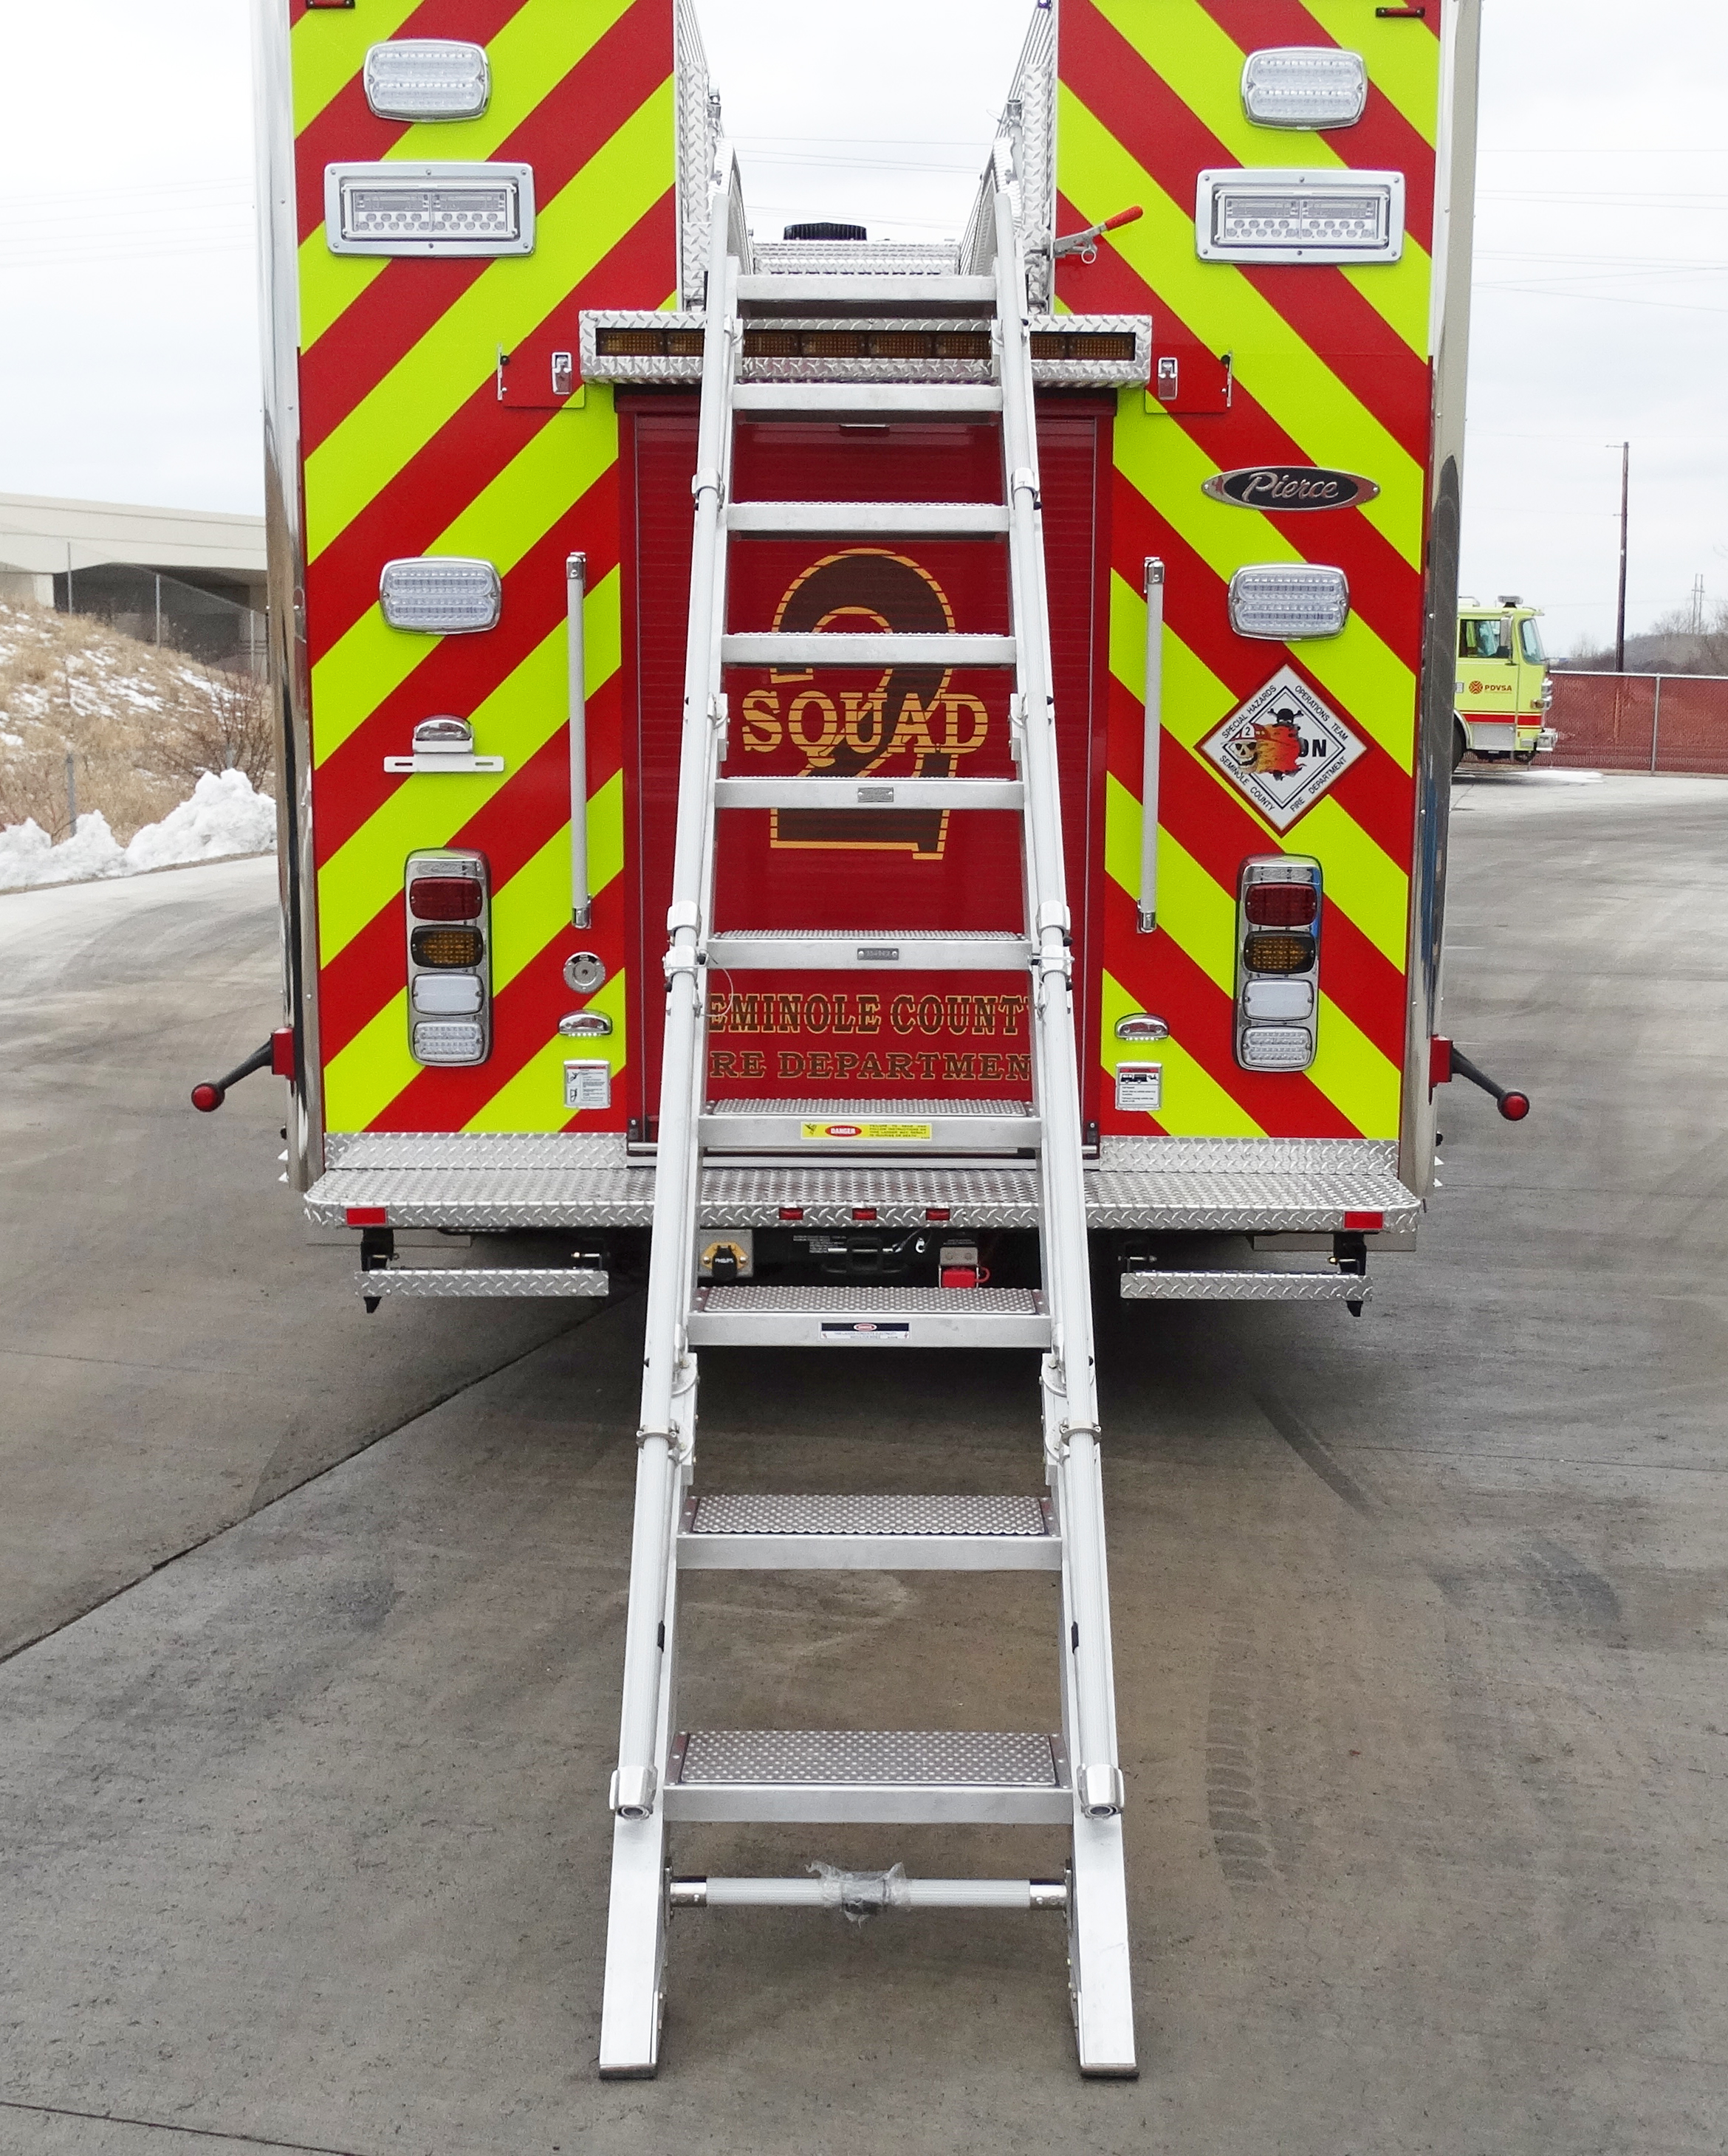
<point x="1675" y="723"/>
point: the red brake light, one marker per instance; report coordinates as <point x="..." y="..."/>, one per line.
<point x="1280" y="905"/>
<point x="444" y="898"/>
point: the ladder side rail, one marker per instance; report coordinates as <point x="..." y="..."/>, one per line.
<point x="1067" y="1273"/>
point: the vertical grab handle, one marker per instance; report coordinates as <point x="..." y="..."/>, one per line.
<point x="1154" y="731"/>
<point x="575" y="588"/>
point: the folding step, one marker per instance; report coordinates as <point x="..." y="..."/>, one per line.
<point x="915" y="400"/>
<point x="950" y="520"/>
<point x="911" y="296"/>
<point x="962" y="951"/>
<point x="869" y="793"/>
<point x="1268" y="1286"/>
<point x="481" y="1279"/>
<point x="833" y="648"/>
<point x="944" y="1125"/>
<point x="749" y="1315"/>
<point x="862" y="1893"/>
<point x="871" y="1777"/>
<point x="722" y="1533"/>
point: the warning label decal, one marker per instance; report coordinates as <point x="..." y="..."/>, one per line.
<point x="1283" y="748"/>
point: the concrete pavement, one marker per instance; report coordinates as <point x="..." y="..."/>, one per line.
<point x="1419" y="1629"/>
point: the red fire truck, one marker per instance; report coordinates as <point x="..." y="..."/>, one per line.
<point x="867" y="786"/>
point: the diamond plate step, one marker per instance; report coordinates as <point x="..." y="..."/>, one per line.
<point x="956" y="519"/>
<point x="850" y="1128"/>
<point x="838" y="648"/>
<point x="748" y="1316"/>
<point x="873" y="1777"/>
<point x="962" y="951"/>
<point x="723" y="1533"/>
<point x="446" y="1280"/>
<point x="1266" y="1286"/>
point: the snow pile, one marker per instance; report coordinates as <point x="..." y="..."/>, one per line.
<point x="223" y="816"/>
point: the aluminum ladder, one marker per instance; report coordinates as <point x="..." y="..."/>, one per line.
<point x="664" y="1775"/>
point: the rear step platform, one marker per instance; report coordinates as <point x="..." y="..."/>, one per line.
<point x="871" y="1777"/>
<point x="720" y="1532"/>
<point x="750" y="1316"/>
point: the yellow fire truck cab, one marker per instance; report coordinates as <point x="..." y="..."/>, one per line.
<point x="1503" y="689"/>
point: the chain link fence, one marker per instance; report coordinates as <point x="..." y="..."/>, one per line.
<point x="159" y="609"/>
<point x="1641" y="721"/>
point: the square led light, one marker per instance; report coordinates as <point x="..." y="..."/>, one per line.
<point x="400" y="208"/>
<point x="1300" y="216"/>
<point x="1283" y="602"/>
<point x="427" y="79"/>
<point x="449" y="1040"/>
<point x="1304" y="86"/>
<point x="441" y="595"/>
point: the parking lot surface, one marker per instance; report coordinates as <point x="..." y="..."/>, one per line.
<point x="316" y="1621"/>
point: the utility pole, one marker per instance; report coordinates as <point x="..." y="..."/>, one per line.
<point x="1620" y="616"/>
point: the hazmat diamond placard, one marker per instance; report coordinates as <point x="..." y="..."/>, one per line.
<point x="1283" y="748"/>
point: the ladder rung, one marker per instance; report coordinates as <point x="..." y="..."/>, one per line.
<point x="870" y="1127"/>
<point x="822" y="648"/>
<point x="760" y="950"/>
<point x="874" y="1777"/>
<point x="1267" y="1286"/>
<point x="912" y="295"/>
<point x="906" y="399"/>
<point x="722" y="1533"/>
<point x="865" y="792"/>
<point x="717" y="1893"/>
<point x="947" y="519"/>
<point x="748" y="1315"/>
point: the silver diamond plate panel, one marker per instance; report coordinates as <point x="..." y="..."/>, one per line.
<point x="1254" y="1156"/>
<point x="490" y="1198"/>
<point x="872" y="1301"/>
<point x="450" y="1281"/>
<point x="638" y="367"/>
<point x="1245" y="1287"/>
<point x="1266" y="1203"/>
<point x="900" y="1198"/>
<point x="897" y="1111"/>
<point x="1007" y="1758"/>
<point x="724" y="1514"/>
<point x="856" y="258"/>
<point x="422" y="1149"/>
<point x="698" y="124"/>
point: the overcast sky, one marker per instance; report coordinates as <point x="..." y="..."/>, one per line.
<point x="128" y="340"/>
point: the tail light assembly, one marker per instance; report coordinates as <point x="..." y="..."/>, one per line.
<point x="1278" y="962"/>
<point x="449" y="933"/>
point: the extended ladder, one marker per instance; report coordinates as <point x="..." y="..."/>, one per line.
<point x="664" y="1775"/>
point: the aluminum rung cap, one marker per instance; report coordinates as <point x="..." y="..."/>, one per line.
<point x="831" y="647"/>
<point x="1266" y="1286"/>
<point x="746" y="1315"/>
<point x="911" y="400"/>
<point x="941" y="519"/>
<point x="794" y="950"/>
<point x="869" y="793"/>
<point x="483" y="1280"/>
<point x="881" y="1776"/>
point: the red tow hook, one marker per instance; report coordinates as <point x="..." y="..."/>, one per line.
<point x="1446" y="1060"/>
<point x="276" y="1054"/>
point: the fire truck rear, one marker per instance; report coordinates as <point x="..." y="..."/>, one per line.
<point x="915" y="773"/>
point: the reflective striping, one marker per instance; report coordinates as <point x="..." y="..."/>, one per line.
<point x="1351" y="1071"/>
<point x="329" y="50"/>
<point x="501" y="525"/>
<point x="1403" y="62"/>
<point x="1195" y="1104"/>
<point x="617" y="186"/>
<point x="1198" y="915"/>
<point x="361" y="1080"/>
<point x="1226" y="309"/>
<point x="525" y="1100"/>
<point x="1361" y="876"/>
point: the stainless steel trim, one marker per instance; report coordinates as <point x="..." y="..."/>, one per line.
<point x="868" y="793"/>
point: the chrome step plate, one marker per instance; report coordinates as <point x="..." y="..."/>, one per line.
<point x="1266" y="1286"/>
<point x="446" y="1281"/>
<point x="747" y="1316"/>
<point x="870" y="1776"/>
<point x="723" y="1532"/>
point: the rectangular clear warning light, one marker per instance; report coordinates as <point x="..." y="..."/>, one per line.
<point x="429" y="209"/>
<point x="440" y="594"/>
<point x="427" y="79"/>
<point x="1309" y="86"/>
<point x="1284" y="601"/>
<point x="1302" y="216"/>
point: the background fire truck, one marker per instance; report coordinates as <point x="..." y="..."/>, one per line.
<point x="1504" y="690"/>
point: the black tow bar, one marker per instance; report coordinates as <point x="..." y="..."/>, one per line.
<point x="1447" y="1060"/>
<point x="277" y="1054"/>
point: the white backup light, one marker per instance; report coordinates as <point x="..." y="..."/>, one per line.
<point x="1282" y="603"/>
<point x="1309" y="86"/>
<point x="427" y="79"/>
<point x="441" y="595"/>
<point x="449" y="1040"/>
<point x="1301" y="216"/>
<point x="448" y="995"/>
<point x="400" y="208"/>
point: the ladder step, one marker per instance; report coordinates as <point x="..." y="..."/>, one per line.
<point x="911" y="296"/>
<point x="833" y="647"/>
<point x="751" y="1316"/>
<point x="796" y="949"/>
<point x="942" y="519"/>
<point x="869" y="793"/>
<point x="1266" y="1286"/>
<point x="904" y="399"/>
<point x="722" y="1533"/>
<point x="850" y="1128"/>
<point x="861" y="1893"/>
<point x="871" y="1777"/>
<point x="482" y="1279"/>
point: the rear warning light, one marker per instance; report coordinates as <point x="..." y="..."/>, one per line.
<point x="427" y="79"/>
<point x="429" y="209"/>
<point x="450" y="990"/>
<point x="1283" y="602"/>
<point x="441" y="595"/>
<point x="446" y="946"/>
<point x="1277" y="959"/>
<point x="1308" y="86"/>
<point x="1307" y="215"/>
<point x="444" y="898"/>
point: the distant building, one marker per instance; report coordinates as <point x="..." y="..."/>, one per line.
<point x="191" y="578"/>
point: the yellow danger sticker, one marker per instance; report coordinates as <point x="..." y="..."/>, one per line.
<point x="879" y="1133"/>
